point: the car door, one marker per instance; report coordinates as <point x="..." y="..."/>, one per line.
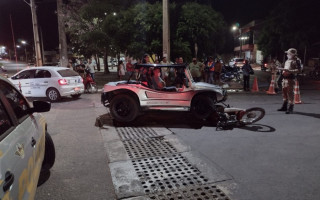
<point x="22" y="81"/>
<point x="40" y="82"/>
<point x="19" y="166"/>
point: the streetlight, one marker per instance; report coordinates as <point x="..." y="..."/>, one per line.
<point x="234" y="28"/>
<point x="25" y="48"/>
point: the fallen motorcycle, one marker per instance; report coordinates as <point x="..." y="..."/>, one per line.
<point x="229" y="117"/>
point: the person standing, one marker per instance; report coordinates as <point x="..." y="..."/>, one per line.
<point x="217" y="71"/>
<point x="246" y="71"/>
<point x="91" y="69"/>
<point x="164" y="70"/>
<point x="121" y="70"/>
<point x="275" y="64"/>
<point x="129" y="67"/>
<point x="291" y="68"/>
<point x="195" y="69"/>
<point x="179" y="74"/>
<point x="146" y="59"/>
<point x="210" y="67"/>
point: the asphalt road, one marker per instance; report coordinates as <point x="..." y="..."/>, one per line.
<point x="81" y="168"/>
<point x="277" y="158"/>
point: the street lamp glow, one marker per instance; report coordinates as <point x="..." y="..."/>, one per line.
<point x="18" y="46"/>
<point x="234" y="28"/>
<point x="114" y="14"/>
<point x="23" y="42"/>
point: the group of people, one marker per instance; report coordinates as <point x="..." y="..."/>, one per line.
<point x="210" y="72"/>
<point x="83" y="67"/>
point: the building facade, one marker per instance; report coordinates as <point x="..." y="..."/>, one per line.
<point x="245" y="42"/>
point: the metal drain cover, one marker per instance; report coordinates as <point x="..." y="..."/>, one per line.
<point x="167" y="173"/>
<point x="200" y="192"/>
<point x="148" y="147"/>
<point x="127" y="133"/>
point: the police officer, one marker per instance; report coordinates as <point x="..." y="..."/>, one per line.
<point x="292" y="66"/>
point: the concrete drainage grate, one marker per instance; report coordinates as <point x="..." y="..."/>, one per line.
<point x="201" y="192"/>
<point x="148" y="147"/>
<point x="127" y="133"/>
<point x="167" y="173"/>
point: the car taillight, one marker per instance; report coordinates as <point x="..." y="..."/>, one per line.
<point x="265" y="64"/>
<point x="62" y="82"/>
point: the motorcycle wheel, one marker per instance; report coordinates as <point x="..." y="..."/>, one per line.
<point x="222" y="77"/>
<point x="92" y="88"/>
<point x="252" y="115"/>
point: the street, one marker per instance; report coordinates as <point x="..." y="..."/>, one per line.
<point x="277" y="158"/>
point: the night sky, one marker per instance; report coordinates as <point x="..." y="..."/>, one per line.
<point x="242" y="11"/>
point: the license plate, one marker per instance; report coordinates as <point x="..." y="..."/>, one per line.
<point x="77" y="89"/>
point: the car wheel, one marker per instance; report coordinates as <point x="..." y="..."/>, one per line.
<point x="124" y="108"/>
<point x="75" y="96"/>
<point x="53" y="94"/>
<point x="49" y="153"/>
<point x="202" y="107"/>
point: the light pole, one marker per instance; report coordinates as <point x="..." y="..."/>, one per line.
<point x="165" y="30"/>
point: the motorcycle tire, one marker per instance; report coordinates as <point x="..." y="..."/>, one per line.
<point x="91" y="88"/>
<point x="252" y="115"/>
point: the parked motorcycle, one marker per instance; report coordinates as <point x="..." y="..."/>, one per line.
<point x="229" y="73"/>
<point x="264" y="66"/>
<point x="89" y="85"/>
<point x="229" y="118"/>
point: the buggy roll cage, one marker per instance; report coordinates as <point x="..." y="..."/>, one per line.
<point x="139" y="66"/>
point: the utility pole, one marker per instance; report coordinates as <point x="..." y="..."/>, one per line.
<point x="14" y="43"/>
<point x="63" y="48"/>
<point x="240" y="43"/>
<point x="165" y="30"/>
<point x="35" y="33"/>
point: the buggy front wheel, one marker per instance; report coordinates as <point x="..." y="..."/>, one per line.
<point x="124" y="108"/>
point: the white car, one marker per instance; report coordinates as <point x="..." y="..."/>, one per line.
<point x="50" y="82"/>
<point x="26" y="149"/>
<point x="236" y="62"/>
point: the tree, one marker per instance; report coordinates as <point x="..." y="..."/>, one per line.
<point x="290" y="26"/>
<point x="201" y="27"/>
<point x="137" y="30"/>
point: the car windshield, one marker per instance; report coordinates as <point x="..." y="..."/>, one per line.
<point x="67" y="73"/>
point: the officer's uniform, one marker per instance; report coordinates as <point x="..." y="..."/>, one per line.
<point x="292" y="66"/>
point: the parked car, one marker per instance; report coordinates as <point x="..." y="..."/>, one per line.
<point x="51" y="82"/>
<point x="236" y="62"/>
<point x="26" y="149"/>
<point x="128" y="99"/>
